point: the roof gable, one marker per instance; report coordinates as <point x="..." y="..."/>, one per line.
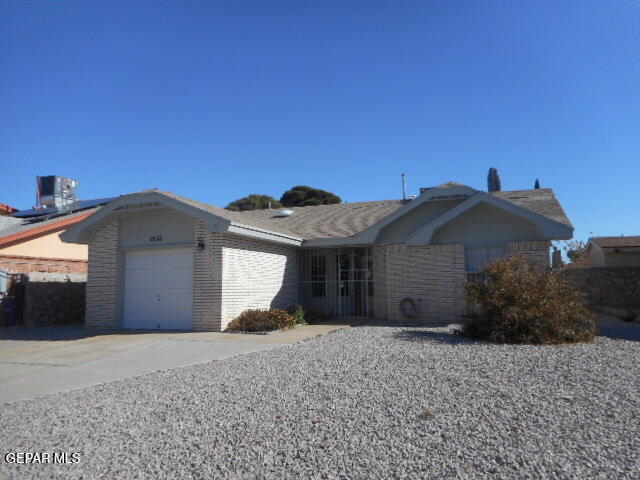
<point x="552" y="229"/>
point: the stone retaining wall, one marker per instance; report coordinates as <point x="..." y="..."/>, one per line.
<point x="54" y="299"/>
<point x="611" y="290"/>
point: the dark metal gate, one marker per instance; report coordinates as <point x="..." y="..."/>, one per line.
<point x="337" y="281"/>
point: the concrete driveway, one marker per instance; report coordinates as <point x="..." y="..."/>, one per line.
<point x="42" y="360"/>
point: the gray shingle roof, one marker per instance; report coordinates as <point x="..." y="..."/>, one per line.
<point x="542" y="201"/>
<point x="323" y="221"/>
<point x="348" y="219"/>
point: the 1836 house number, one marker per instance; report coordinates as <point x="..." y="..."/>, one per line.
<point x="155" y="238"/>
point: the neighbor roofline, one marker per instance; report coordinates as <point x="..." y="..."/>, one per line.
<point x="39" y="231"/>
<point x="593" y="241"/>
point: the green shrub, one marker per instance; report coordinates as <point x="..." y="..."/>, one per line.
<point x="299" y="314"/>
<point x="521" y="303"/>
<point x="262" y="321"/>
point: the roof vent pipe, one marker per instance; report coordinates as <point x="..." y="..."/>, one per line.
<point x="404" y="186"/>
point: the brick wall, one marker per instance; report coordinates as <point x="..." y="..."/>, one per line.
<point x="432" y="276"/>
<point x="254" y="274"/>
<point x="101" y="300"/>
<point x="25" y="264"/>
<point x="536" y="250"/>
<point x="379" y="258"/>
<point x="206" y="288"/>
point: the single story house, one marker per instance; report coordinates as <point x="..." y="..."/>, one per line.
<point x="33" y="244"/>
<point x="159" y="260"/>
<point x="614" y="251"/>
<point x="30" y="240"/>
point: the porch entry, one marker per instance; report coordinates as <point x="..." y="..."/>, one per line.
<point x="337" y="281"/>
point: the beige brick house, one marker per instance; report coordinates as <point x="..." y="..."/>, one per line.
<point x="158" y="260"/>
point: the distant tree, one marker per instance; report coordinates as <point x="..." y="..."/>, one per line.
<point x="575" y="249"/>
<point x="254" y="201"/>
<point x="304" y="196"/>
<point x="537" y="184"/>
<point x="493" y="180"/>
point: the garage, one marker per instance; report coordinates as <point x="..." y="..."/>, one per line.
<point x="158" y="289"/>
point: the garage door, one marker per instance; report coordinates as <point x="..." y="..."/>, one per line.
<point x="158" y="289"/>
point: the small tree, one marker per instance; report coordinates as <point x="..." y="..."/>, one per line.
<point x="254" y="202"/>
<point x="575" y="250"/>
<point x="304" y="196"/>
<point x="521" y="303"/>
<point x="537" y="184"/>
<point x="493" y="180"/>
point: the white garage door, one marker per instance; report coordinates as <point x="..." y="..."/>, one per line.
<point x="158" y="289"/>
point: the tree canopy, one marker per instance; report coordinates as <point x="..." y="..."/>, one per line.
<point x="303" y="196"/>
<point x="254" y="201"/>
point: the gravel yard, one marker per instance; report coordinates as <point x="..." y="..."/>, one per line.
<point x="370" y="402"/>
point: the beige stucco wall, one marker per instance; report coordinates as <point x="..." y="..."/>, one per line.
<point x="607" y="257"/>
<point x="621" y="259"/>
<point x="596" y="256"/>
<point x="48" y="246"/>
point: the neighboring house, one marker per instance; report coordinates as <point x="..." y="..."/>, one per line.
<point x="33" y="245"/>
<point x="30" y="239"/>
<point x="7" y="209"/>
<point x="614" y="251"/>
<point x="159" y="260"/>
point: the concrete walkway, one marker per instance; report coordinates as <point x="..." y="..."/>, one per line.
<point x="43" y="360"/>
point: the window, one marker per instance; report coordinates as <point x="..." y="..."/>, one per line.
<point x="479" y="257"/>
<point x="318" y="276"/>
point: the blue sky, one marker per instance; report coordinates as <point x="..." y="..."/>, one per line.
<point x="216" y="100"/>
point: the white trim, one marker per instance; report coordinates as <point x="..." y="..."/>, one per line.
<point x="552" y="229"/>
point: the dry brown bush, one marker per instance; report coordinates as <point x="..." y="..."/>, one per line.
<point x="521" y="303"/>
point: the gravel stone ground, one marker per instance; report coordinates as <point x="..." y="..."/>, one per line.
<point x="370" y="402"/>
